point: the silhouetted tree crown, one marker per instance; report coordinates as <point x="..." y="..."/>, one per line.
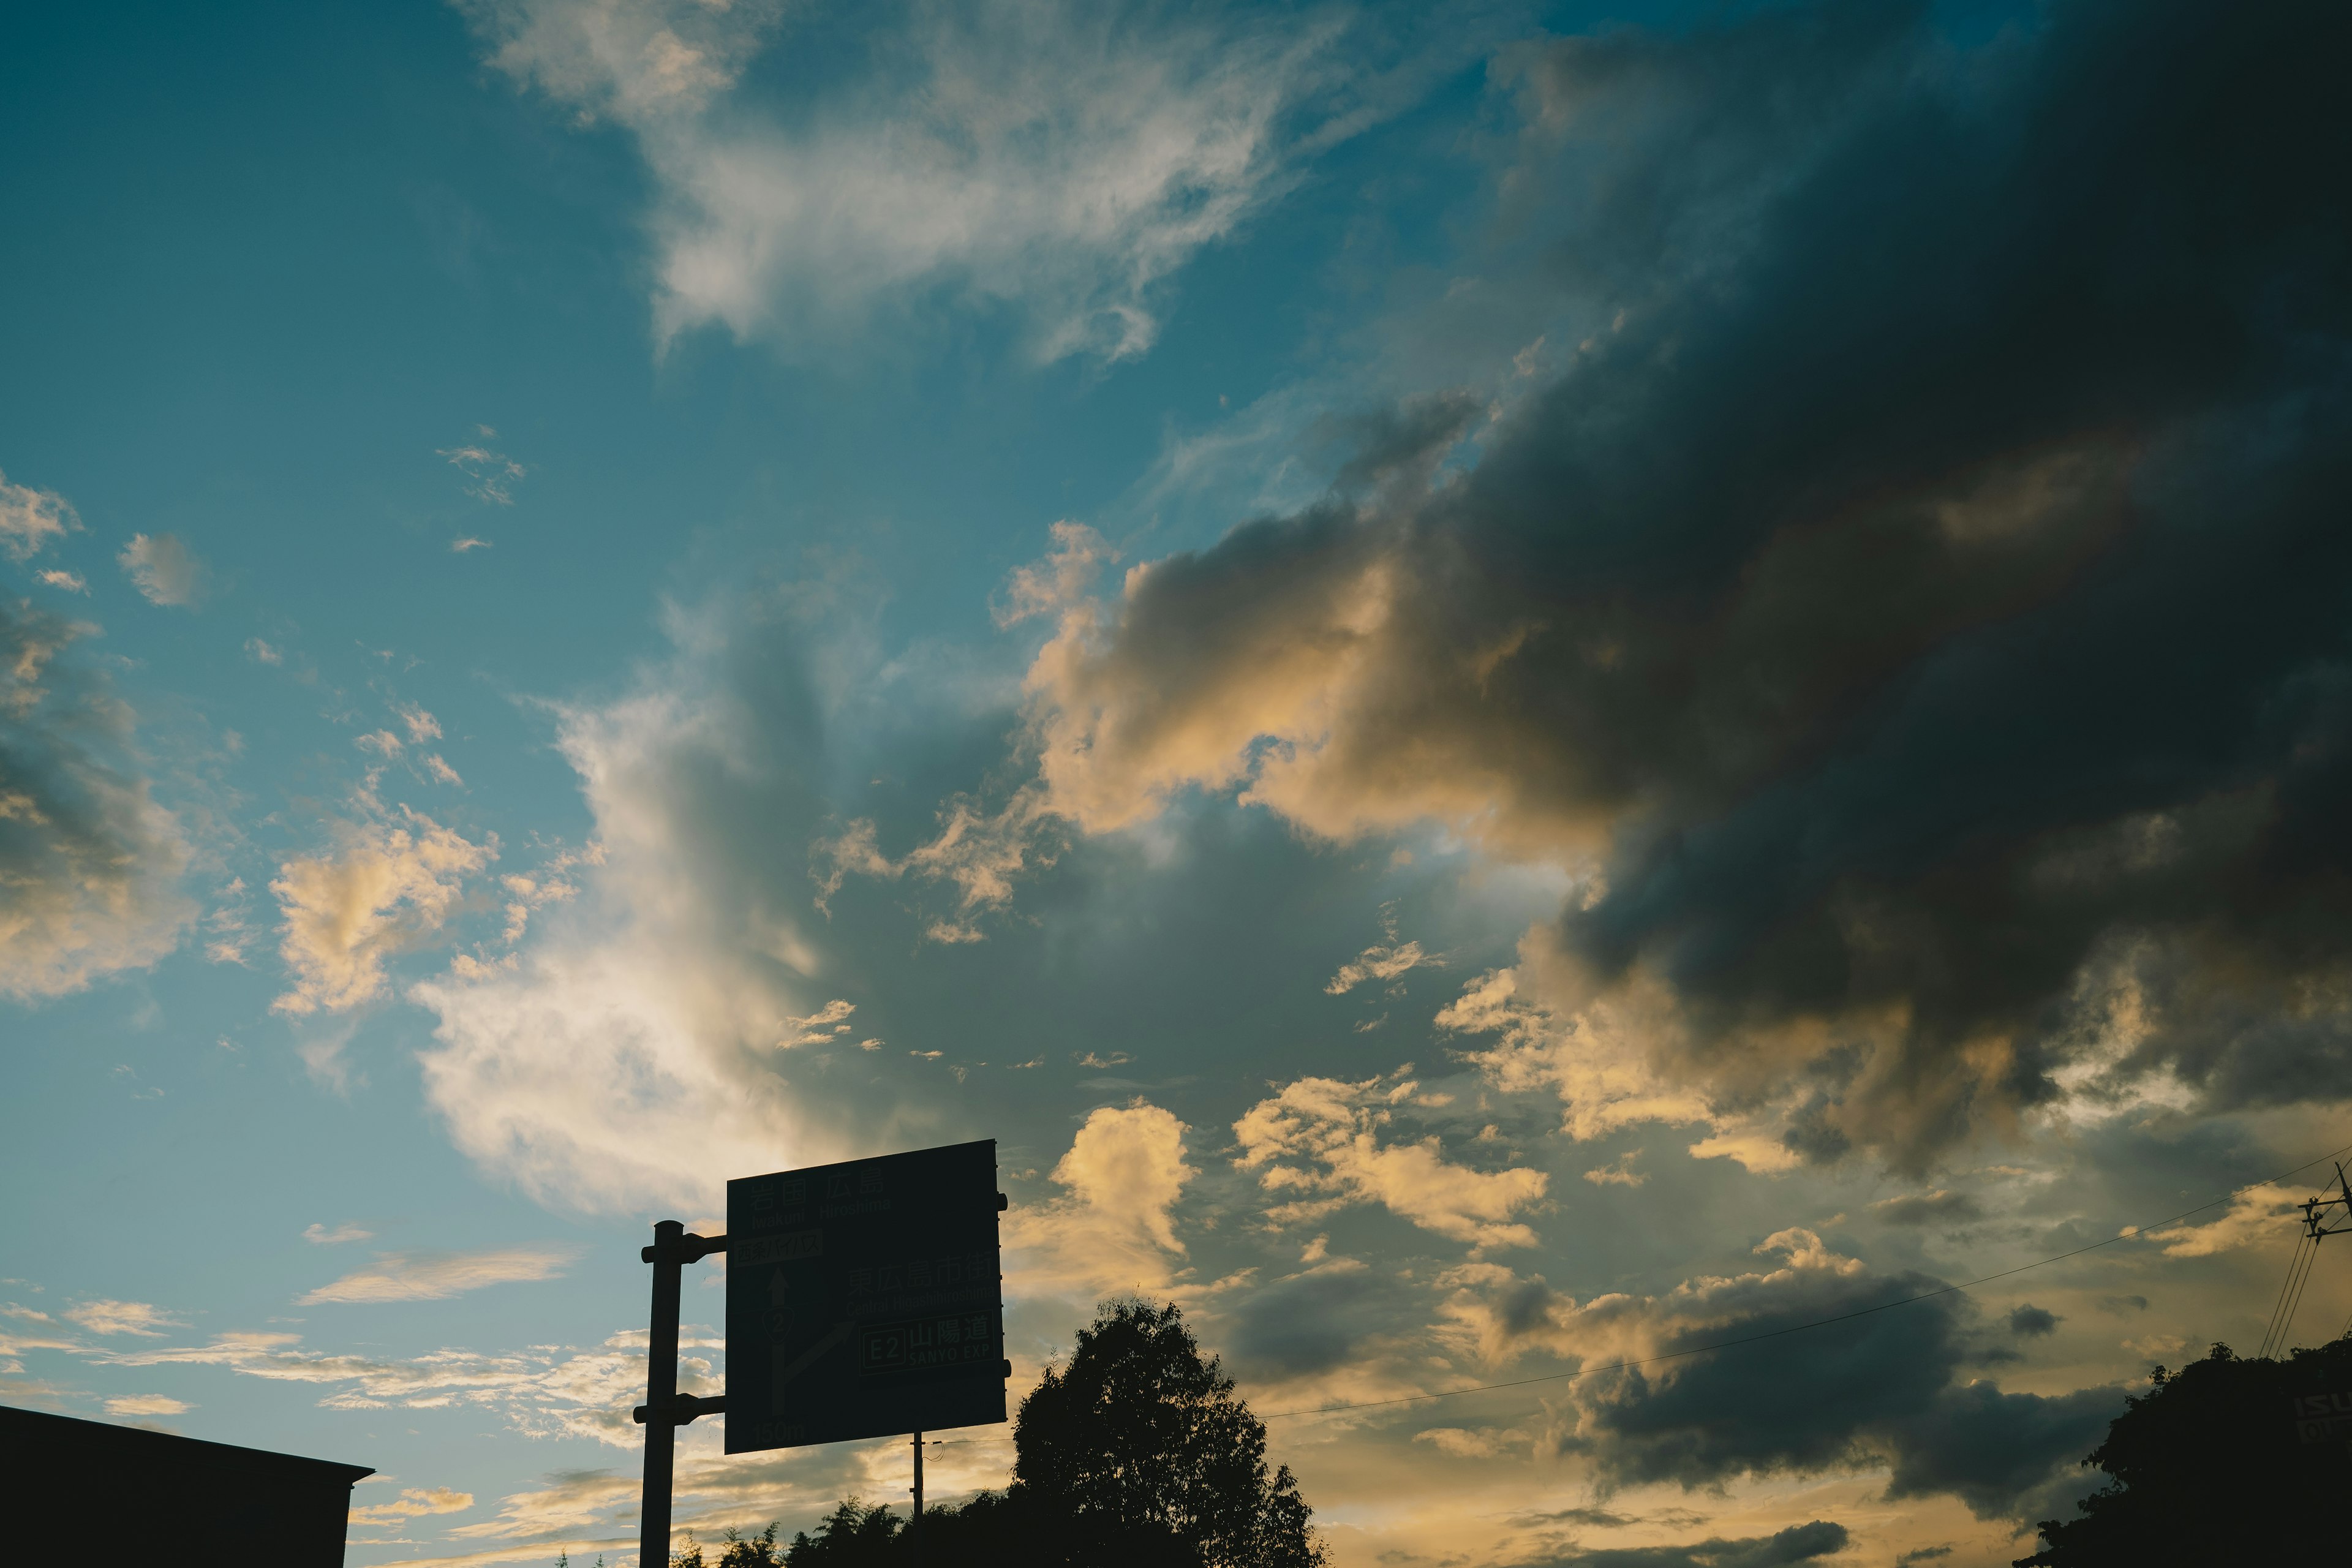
<point x="2210" y="1466"/>
<point x="1139" y="1448"/>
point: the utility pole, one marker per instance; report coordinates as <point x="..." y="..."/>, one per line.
<point x="916" y="1528"/>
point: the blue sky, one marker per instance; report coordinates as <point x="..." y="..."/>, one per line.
<point x="1504" y="685"/>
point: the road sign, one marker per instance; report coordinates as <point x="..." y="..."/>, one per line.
<point x="863" y="1299"/>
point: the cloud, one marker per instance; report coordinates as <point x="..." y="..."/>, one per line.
<point x="461" y="546"/>
<point x="1321" y="1139"/>
<point x="319" y="1236"/>
<point x="440" y="771"/>
<point x="32" y="520"/>
<point x="627" y="1055"/>
<point x="1379" y="963"/>
<point x="1060" y="580"/>
<point x="147" y="1405"/>
<point x="1878" y="1390"/>
<point x="107" y="1317"/>
<point x="1957" y="741"/>
<point x="489" y="476"/>
<point x="420" y="726"/>
<point x="546" y="1391"/>
<point x="821" y="1027"/>
<point x="1596" y="1053"/>
<point x="386" y="886"/>
<point x="436" y="1275"/>
<point x="67" y="582"/>
<point x="1938" y="1208"/>
<point x="1064" y="161"/>
<point x="263" y="653"/>
<point x="412" y="1503"/>
<point x="2255" y="1214"/>
<point x="163" y="569"/>
<point x="1114" y="1226"/>
<point x="977" y="851"/>
<point x="1798" y="1544"/>
<point x="90" y="861"/>
<point x="2027" y="1320"/>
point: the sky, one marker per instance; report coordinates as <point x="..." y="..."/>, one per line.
<point x="1508" y="687"/>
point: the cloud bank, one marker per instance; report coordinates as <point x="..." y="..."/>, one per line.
<point x="1912" y="612"/>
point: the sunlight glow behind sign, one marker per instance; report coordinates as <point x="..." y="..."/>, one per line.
<point x="863" y="1299"/>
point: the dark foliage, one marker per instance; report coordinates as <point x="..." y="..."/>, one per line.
<point x="1138" y="1452"/>
<point x="2210" y="1467"/>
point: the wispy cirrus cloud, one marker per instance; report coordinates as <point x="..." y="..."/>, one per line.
<point x="436" y="1275"/>
<point x="1063" y="160"/>
<point x="32" y="520"/>
<point x="111" y="1317"/>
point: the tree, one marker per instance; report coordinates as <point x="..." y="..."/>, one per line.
<point x="851" y="1536"/>
<point x="2212" y="1466"/>
<point x="1138" y="1452"/>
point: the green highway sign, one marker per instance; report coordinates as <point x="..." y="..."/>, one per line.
<point x="863" y="1299"/>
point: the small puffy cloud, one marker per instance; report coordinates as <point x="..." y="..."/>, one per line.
<point x="263" y="653"/>
<point x="148" y="1404"/>
<point x="420" y="726"/>
<point x="414" y="1503"/>
<point x="825" y="1024"/>
<point x="977" y="851"/>
<point x="108" y="1317"/>
<point x="64" y="581"/>
<point x="319" y="1236"/>
<point x="1114" y="1226"/>
<point x="1326" y="1143"/>
<point x="436" y="1275"/>
<point x="1061" y="580"/>
<point x="90" y="861"/>
<point x="440" y="771"/>
<point x="2256" y="1215"/>
<point x="1600" y="1053"/>
<point x="31" y="519"/>
<point x="162" y="567"/>
<point x="1379" y="963"/>
<point x="386" y="886"/>
<point x="1619" y="1173"/>
<point x="381" y="742"/>
<point x="460" y="546"/>
<point x="2029" y="1321"/>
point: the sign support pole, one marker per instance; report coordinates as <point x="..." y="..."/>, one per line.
<point x="661" y="1392"/>
<point x="665" y="1409"/>
<point x="919" y="1486"/>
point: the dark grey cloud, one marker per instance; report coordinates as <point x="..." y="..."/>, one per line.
<point x="1886" y="1389"/>
<point x="1925" y="587"/>
<point x="1798" y="1544"/>
<point x="89" y="863"/>
<point x="2030" y="1321"/>
<point x="1929" y="1208"/>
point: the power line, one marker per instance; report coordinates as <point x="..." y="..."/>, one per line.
<point x="2298" y="1275"/>
<point x="2128" y="1234"/>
